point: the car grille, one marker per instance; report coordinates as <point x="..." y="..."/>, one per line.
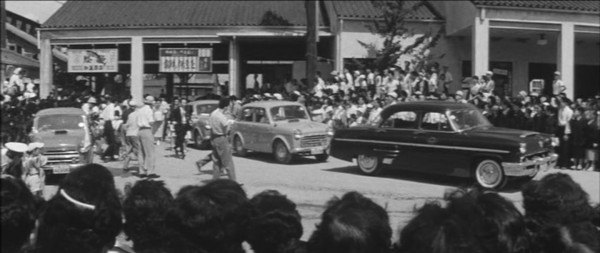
<point x="62" y="156"/>
<point x="313" y="141"/>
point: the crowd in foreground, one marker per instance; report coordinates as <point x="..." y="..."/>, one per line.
<point x="88" y="213"/>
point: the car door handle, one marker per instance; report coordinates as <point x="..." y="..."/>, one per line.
<point x="432" y="140"/>
<point x="394" y="151"/>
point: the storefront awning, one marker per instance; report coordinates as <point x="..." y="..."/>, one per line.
<point x="10" y="57"/>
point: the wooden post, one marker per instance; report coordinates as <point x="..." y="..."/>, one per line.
<point x="311" y="43"/>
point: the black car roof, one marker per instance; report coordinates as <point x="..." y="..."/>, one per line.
<point x="61" y="111"/>
<point x="425" y="106"/>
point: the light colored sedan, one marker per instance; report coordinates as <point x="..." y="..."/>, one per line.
<point x="199" y="113"/>
<point x="282" y="128"/>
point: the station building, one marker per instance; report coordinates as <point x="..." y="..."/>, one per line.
<point x="262" y="43"/>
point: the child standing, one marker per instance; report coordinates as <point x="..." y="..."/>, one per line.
<point x="33" y="173"/>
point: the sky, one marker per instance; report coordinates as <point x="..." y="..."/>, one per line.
<point x="38" y="11"/>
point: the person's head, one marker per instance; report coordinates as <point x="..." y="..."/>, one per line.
<point x="223" y="103"/>
<point x="556" y="198"/>
<point x="556" y="75"/>
<point x="18" y="213"/>
<point x="183" y="101"/>
<point x="354" y="224"/>
<point x="145" y="208"/>
<point x="214" y="217"/>
<point x="276" y="224"/>
<point x="85" y="214"/>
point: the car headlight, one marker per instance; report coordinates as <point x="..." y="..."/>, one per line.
<point x="330" y="131"/>
<point x="522" y="148"/>
<point x="297" y="134"/>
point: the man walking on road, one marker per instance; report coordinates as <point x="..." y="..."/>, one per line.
<point x="131" y="135"/>
<point x="146" y="156"/>
<point x="221" y="150"/>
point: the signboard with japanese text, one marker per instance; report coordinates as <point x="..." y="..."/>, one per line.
<point x="185" y="60"/>
<point x="93" y="60"/>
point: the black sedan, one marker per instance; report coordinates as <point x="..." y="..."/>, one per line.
<point x="444" y="138"/>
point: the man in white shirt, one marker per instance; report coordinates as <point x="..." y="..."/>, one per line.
<point x="147" y="155"/>
<point x="557" y="85"/>
<point x="565" y="114"/>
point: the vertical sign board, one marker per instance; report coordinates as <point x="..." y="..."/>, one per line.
<point x="93" y="60"/>
<point x="185" y="60"/>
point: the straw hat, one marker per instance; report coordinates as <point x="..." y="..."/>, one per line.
<point x="17" y="147"/>
<point x="34" y="145"/>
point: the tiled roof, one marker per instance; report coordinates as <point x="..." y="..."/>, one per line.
<point x="177" y="13"/>
<point x="589" y="6"/>
<point x="365" y="9"/>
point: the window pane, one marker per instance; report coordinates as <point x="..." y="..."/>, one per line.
<point x="402" y="119"/>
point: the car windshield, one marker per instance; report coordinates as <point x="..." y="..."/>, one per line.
<point x="289" y="112"/>
<point x="468" y="119"/>
<point x="205" y="108"/>
<point x="59" y="122"/>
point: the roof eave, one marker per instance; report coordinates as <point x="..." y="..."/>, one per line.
<point x="54" y="28"/>
<point x="379" y="19"/>
<point x="535" y="9"/>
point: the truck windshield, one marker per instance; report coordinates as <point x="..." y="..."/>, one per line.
<point x="468" y="119"/>
<point x="289" y="112"/>
<point x="59" y="122"/>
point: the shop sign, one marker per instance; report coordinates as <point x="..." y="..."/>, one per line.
<point x="93" y="60"/>
<point x="185" y="60"/>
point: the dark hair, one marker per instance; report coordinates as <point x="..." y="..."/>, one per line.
<point x="276" y="224"/>
<point x="18" y="213"/>
<point x="223" y="102"/>
<point x="213" y="217"/>
<point x="353" y="223"/>
<point x="145" y="209"/>
<point x="433" y="229"/>
<point x="68" y="226"/>
<point x="557" y="198"/>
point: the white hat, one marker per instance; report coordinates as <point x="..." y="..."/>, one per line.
<point x="334" y="73"/>
<point x="557" y="73"/>
<point x="149" y="100"/>
<point x="133" y="103"/>
<point x="489" y="73"/>
<point x="256" y="96"/>
<point x="268" y="95"/>
<point x="393" y="94"/>
<point x="92" y="100"/>
<point x="17" y="71"/>
<point x="460" y="93"/>
<point x="16" y="147"/>
<point x="35" y="145"/>
<point x="278" y="96"/>
<point x="370" y="106"/>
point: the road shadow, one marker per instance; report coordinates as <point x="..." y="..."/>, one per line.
<point x="512" y="185"/>
<point x="268" y="158"/>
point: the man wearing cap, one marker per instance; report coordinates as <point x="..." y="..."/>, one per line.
<point x="132" y="141"/>
<point x="489" y="85"/>
<point x="557" y="85"/>
<point x="14" y="163"/>
<point x="33" y="174"/>
<point x="146" y="155"/>
<point x="221" y="150"/>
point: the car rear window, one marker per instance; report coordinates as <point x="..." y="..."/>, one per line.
<point x="401" y="119"/>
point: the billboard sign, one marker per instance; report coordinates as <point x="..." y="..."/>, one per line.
<point x="93" y="60"/>
<point x="185" y="60"/>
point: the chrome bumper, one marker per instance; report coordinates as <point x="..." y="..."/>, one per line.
<point x="60" y="168"/>
<point x="529" y="168"/>
<point x="311" y="151"/>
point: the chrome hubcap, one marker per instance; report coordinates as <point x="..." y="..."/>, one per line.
<point x="489" y="174"/>
<point x="367" y="163"/>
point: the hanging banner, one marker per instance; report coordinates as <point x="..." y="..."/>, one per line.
<point x="93" y="60"/>
<point x="185" y="60"/>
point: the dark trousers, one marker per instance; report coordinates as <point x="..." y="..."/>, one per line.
<point x="222" y="157"/>
<point x="564" y="154"/>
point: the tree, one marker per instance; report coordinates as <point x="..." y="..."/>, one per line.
<point x="392" y="27"/>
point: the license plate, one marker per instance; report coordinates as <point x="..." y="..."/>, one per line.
<point x="316" y="151"/>
<point x="61" y="169"/>
<point x="387" y="160"/>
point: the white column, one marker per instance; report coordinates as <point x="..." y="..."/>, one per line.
<point x="339" y="59"/>
<point x="566" y="57"/>
<point x="480" y="54"/>
<point x="234" y="64"/>
<point x="46" y="68"/>
<point x="137" y="68"/>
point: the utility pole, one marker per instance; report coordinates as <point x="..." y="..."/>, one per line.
<point x="311" y="42"/>
<point x="3" y="26"/>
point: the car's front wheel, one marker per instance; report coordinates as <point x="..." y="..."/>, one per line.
<point x="238" y="147"/>
<point x="368" y="164"/>
<point x="489" y="174"/>
<point x="281" y="152"/>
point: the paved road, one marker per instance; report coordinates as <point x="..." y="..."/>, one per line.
<point x="310" y="184"/>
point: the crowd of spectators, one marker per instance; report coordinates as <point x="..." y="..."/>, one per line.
<point x="88" y="213"/>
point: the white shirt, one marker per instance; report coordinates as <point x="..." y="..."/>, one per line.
<point x="565" y="115"/>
